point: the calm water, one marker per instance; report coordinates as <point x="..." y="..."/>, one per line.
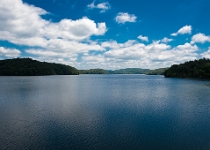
<point x="111" y="112"/>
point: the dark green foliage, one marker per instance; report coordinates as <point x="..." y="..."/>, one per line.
<point x="29" y="67"/>
<point x="129" y="71"/>
<point x="121" y="71"/>
<point x="159" y="71"/>
<point x="192" y="69"/>
<point x="93" y="71"/>
<point x="125" y="71"/>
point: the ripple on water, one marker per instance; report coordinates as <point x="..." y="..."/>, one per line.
<point x="104" y="112"/>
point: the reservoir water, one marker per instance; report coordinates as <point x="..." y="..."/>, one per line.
<point x="110" y="112"/>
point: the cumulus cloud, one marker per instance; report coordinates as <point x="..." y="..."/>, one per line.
<point x="184" y="30"/>
<point x="116" y="55"/>
<point x="206" y="54"/>
<point x="75" y="29"/>
<point x="10" y="53"/>
<point x="22" y="24"/>
<point x="115" y="45"/>
<point x="71" y="46"/>
<point x="102" y="6"/>
<point x="62" y="41"/>
<point x="200" y="38"/>
<point x="125" y="17"/>
<point x="143" y="38"/>
<point x="110" y="44"/>
<point x="67" y="50"/>
<point x="166" y="40"/>
<point x="68" y="40"/>
<point x="154" y="55"/>
<point x="20" y="20"/>
<point x="46" y="53"/>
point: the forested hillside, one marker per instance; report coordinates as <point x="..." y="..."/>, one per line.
<point x="93" y="71"/>
<point x="120" y="71"/>
<point x="129" y="71"/>
<point x="191" y="69"/>
<point x="125" y="71"/>
<point x="29" y="67"/>
<point x="159" y="71"/>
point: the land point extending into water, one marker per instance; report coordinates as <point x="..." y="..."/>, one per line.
<point x="28" y="67"/>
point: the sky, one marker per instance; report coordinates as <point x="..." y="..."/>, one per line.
<point x="106" y="34"/>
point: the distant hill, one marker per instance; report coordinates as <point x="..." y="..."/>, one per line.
<point x="93" y="71"/>
<point x="120" y="71"/>
<point x="129" y="71"/>
<point x="125" y="71"/>
<point x="191" y="69"/>
<point x="159" y="71"/>
<point x="29" y="67"/>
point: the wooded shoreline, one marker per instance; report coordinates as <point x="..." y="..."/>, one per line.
<point x="28" y="67"/>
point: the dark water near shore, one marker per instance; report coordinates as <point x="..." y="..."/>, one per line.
<point x="111" y="112"/>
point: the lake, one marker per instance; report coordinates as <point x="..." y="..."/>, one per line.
<point x="110" y="112"/>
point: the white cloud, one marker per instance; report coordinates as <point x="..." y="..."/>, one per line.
<point x="7" y="52"/>
<point x="166" y="40"/>
<point x="75" y="29"/>
<point x="59" y="48"/>
<point x="103" y="6"/>
<point x="46" y="53"/>
<point x="143" y="38"/>
<point x="184" y="30"/>
<point x="116" y="55"/>
<point x="206" y="54"/>
<point x="125" y="17"/>
<point x="21" y="20"/>
<point x="110" y="44"/>
<point x="64" y="41"/>
<point x="157" y="46"/>
<point x="154" y="55"/>
<point x="22" y="24"/>
<point x="115" y="45"/>
<point x="200" y="38"/>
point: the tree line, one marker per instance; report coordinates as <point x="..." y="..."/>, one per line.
<point x="93" y="71"/>
<point x="125" y="71"/>
<point x="30" y="67"/>
<point x="190" y="69"/>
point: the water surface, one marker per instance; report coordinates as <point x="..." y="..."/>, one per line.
<point x="104" y="112"/>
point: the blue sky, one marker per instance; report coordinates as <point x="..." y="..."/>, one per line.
<point x="106" y="34"/>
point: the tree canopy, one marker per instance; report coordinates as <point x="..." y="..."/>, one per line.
<point x="29" y="67"/>
<point x="93" y="71"/>
<point x="129" y="71"/>
<point x="125" y="71"/>
<point x="159" y="71"/>
<point x="191" y="69"/>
